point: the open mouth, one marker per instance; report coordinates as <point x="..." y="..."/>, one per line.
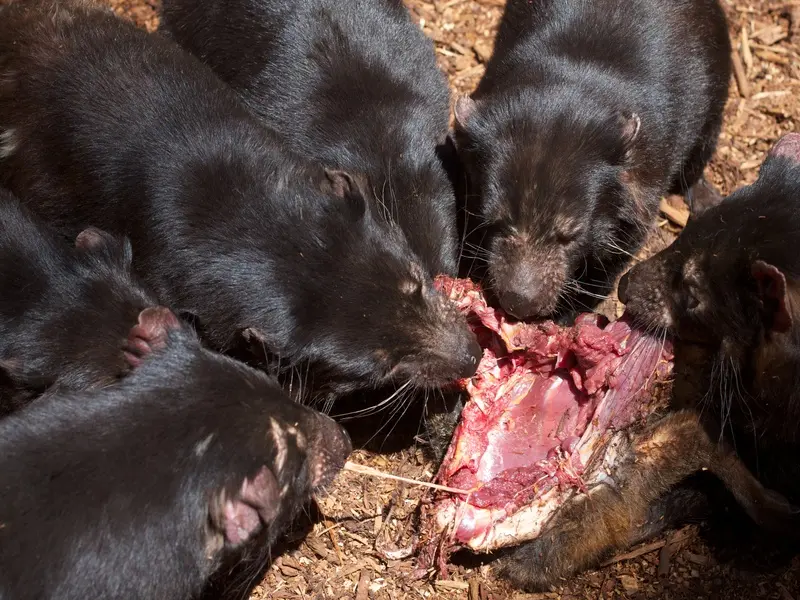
<point x="546" y="412"/>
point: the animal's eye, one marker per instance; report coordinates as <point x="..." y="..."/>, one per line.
<point x="563" y="237"/>
<point x="692" y="301"/>
<point x="567" y="232"/>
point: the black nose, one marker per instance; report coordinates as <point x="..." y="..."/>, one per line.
<point x="519" y="306"/>
<point x="329" y="449"/>
<point x="472" y="356"/>
<point x="622" y="289"/>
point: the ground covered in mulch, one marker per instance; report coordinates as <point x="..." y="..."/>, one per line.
<point x="356" y="546"/>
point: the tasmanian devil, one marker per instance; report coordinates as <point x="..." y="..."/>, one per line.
<point x="727" y="289"/>
<point x="587" y="113"/>
<point x="353" y="85"/>
<point x="105" y="124"/>
<point x="564" y="443"/>
<point x="66" y="312"/>
<point x="139" y="490"/>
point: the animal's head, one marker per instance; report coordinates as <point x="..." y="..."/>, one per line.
<point x="730" y="279"/>
<point x="83" y="316"/>
<point x="361" y="308"/>
<point x="552" y="186"/>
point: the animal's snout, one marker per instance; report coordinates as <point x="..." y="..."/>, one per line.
<point x="527" y="304"/>
<point x="329" y="448"/>
<point x="460" y="348"/>
<point x="642" y="291"/>
<point x="470" y="358"/>
<point x="528" y="287"/>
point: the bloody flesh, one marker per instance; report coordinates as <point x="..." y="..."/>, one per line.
<point x="540" y="423"/>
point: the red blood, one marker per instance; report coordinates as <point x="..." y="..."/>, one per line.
<point x="537" y="389"/>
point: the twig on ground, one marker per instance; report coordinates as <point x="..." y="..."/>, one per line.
<point x="365" y="470"/>
<point x="739" y="73"/>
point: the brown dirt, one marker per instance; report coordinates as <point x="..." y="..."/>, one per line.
<point x="348" y="553"/>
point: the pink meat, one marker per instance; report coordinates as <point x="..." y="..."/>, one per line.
<point x="543" y="408"/>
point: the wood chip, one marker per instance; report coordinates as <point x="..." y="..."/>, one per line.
<point x="739" y="73"/>
<point x="474" y="589"/>
<point x="772" y="57"/>
<point x="288" y="571"/>
<point x="771" y="35"/>
<point x="476" y="70"/>
<point x="646" y="549"/>
<point x="772" y="94"/>
<point x="747" y="56"/>
<point x="674" y="542"/>
<point x="483" y="50"/>
<point x="347" y="572"/>
<point x="319" y="548"/>
<point x="357" y="538"/>
<point x="446" y="584"/>
<point x="676" y="215"/>
<point x="630" y="583"/>
<point x="334" y="541"/>
<point x="362" y="591"/>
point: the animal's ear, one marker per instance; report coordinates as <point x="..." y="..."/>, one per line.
<point x="92" y="238"/>
<point x="351" y="188"/>
<point x="251" y="335"/>
<point x="787" y="147"/>
<point x="255" y="338"/>
<point x="702" y="196"/>
<point x="631" y="125"/>
<point x="101" y="243"/>
<point x="464" y="109"/>
<point x="9" y="373"/>
<point x="773" y="294"/>
<point x="150" y="333"/>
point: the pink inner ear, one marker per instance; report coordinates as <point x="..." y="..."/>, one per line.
<point x="89" y="238"/>
<point x="157" y="320"/>
<point x="258" y="503"/>
<point x="787" y="147"/>
<point x="772" y="286"/>
<point x="341" y="182"/>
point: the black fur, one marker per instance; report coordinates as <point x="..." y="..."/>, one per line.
<point x="121" y="492"/>
<point x="353" y="85"/>
<point x="105" y="124"/>
<point x="728" y="289"/>
<point x="588" y="112"/>
<point x="66" y="312"/>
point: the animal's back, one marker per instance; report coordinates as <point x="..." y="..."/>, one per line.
<point x="321" y="67"/>
<point x="669" y="60"/>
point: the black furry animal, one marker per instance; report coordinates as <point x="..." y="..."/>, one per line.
<point x="66" y="312"/>
<point x="104" y="124"/>
<point x="353" y="85"/>
<point x="588" y="112"/>
<point x="728" y="288"/>
<point x="141" y="489"/>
